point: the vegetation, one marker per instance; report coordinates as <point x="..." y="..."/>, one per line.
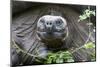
<point x="87" y="14"/>
<point x="59" y="57"/>
<point x="66" y="56"/>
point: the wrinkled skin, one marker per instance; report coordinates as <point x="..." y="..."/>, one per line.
<point x="39" y="29"/>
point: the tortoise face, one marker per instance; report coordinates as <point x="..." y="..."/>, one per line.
<point x="51" y="27"/>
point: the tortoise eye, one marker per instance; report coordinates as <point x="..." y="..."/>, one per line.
<point x="42" y="21"/>
<point x="58" y="23"/>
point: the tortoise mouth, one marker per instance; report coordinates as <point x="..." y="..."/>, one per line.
<point x="51" y="35"/>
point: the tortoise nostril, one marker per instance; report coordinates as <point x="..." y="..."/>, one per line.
<point x="50" y="23"/>
<point x="47" y="23"/>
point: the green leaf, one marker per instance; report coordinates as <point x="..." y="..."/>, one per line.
<point x="87" y="12"/>
<point x="89" y="45"/>
<point x="70" y="60"/>
<point x="49" y="61"/>
<point x="59" y="60"/>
